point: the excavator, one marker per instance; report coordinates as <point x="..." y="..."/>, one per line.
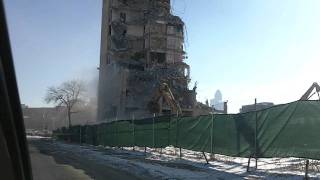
<point x="307" y="95"/>
<point x="164" y="93"/>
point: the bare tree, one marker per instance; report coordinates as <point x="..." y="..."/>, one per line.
<point x="68" y="94"/>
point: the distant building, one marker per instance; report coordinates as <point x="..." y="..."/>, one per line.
<point x="50" y="118"/>
<point x="216" y="102"/>
<point x="218" y="106"/>
<point x="224" y="111"/>
<point x="252" y="107"/>
<point x="23" y="106"/>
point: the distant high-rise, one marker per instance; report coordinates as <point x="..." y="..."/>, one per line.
<point x="217" y="102"/>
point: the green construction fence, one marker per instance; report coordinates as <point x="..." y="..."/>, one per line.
<point x="288" y="130"/>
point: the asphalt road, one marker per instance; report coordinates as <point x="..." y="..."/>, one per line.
<point x="49" y="163"/>
<point x="45" y="167"/>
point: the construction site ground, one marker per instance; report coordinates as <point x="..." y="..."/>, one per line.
<point x="58" y="160"/>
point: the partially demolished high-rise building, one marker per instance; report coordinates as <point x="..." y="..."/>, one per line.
<point x="142" y="45"/>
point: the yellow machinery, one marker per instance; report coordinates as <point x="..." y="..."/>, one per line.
<point x="307" y="95"/>
<point x="164" y="94"/>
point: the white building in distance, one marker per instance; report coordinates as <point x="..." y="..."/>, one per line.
<point x="217" y="102"/>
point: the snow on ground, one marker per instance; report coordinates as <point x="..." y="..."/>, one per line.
<point x="268" y="168"/>
<point x="36" y="137"/>
<point x="168" y="165"/>
<point x="134" y="162"/>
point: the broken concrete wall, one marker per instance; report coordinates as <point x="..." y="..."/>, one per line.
<point x="113" y="89"/>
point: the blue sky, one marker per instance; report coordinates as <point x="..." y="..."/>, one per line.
<point x="248" y="49"/>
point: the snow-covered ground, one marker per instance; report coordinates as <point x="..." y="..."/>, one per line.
<point x="268" y="168"/>
<point x="192" y="165"/>
<point x="36" y="137"/>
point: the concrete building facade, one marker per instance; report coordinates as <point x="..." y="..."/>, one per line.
<point x="142" y="45"/>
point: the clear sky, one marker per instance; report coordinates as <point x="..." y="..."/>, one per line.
<point x="264" y="49"/>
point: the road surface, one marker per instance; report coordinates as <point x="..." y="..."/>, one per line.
<point x="51" y="163"/>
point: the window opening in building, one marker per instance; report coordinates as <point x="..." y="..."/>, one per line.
<point x="124" y="33"/>
<point x="123" y="17"/>
<point x="158" y="57"/>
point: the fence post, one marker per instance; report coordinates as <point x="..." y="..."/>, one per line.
<point x="133" y="134"/>
<point x="307" y="169"/>
<point x="169" y="130"/>
<point x="145" y="149"/>
<point x="86" y="135"/>
<point x="116" y="132"/>
<point x="177" y="135"/>
<point x="256" y="132"/>
<point x="153" y="143"/>
<point x="117" y="136"/>
<point x="212" y="155"/>
<point x="248" y="167"/>
<point x="80" y="135"/>
<point x="205" y="157"/>
<point x="104" y="132"/>
<point x="177" y="130"/>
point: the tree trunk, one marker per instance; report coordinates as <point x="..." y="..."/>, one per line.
<point x="69" y="116"/>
